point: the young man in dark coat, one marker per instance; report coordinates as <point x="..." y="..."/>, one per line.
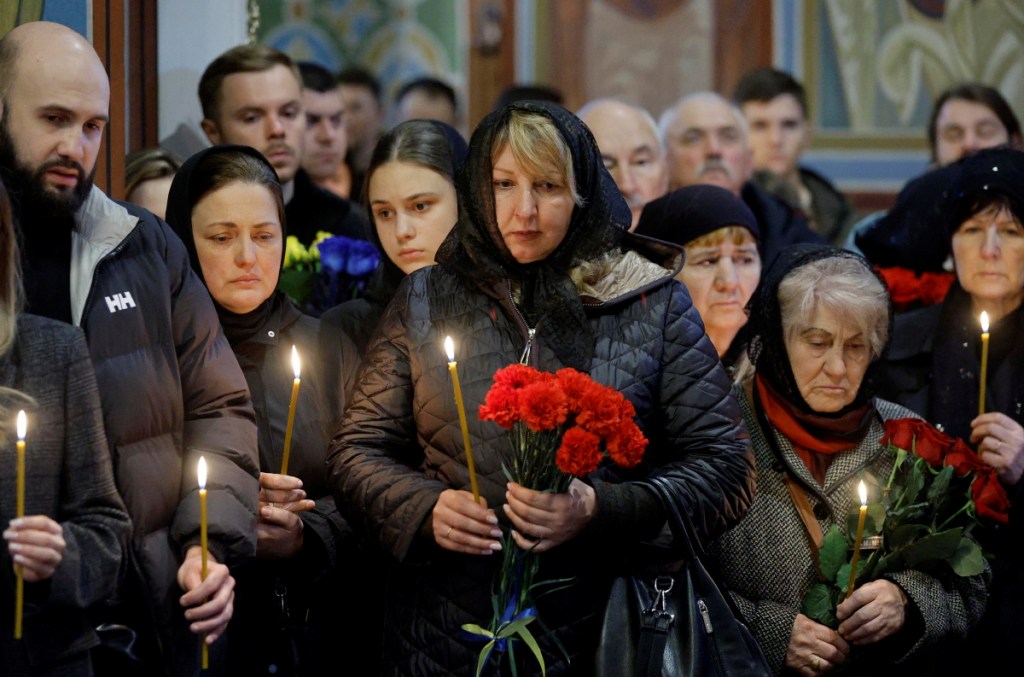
<point x="252" y="95"/>
<point x="170" y="387"/>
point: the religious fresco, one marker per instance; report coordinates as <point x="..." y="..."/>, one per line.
<point x="648" y="51"/>
<point x="874" y="68"/>
<point x="398" y="40"/>
<point x="72" y="13"/>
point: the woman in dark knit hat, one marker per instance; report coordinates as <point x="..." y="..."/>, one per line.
<point x="723" y="267"/>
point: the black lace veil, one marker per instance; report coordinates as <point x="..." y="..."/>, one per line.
<point x="476" y="251"/>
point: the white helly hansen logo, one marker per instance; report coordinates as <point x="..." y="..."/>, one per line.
<point x="122" y="301"/>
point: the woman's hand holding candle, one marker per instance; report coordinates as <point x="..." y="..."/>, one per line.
<point x="209" y="603"/>
<point x="36" y="543"/>
<point x="279" y="532"/>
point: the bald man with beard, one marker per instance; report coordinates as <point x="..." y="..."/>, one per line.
<point x="170" y="387"/>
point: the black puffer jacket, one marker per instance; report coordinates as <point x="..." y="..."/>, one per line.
<point x="393" y="455"/>
<point x="171" y="391"/>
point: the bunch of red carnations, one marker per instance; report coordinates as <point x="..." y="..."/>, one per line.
<point x="561" y="425"/>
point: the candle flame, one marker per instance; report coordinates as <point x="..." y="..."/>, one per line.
<point x="22" y="425"/>
<point x="862" y="490"/>
<point x="984" y="322"/>
<point x="201" y="470"/>
<point x="449" y="347"/>
<point x="296" y="363"/>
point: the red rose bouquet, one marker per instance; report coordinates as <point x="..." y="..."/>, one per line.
<point x="561" y="426"/>
<point x="938" y="491"/>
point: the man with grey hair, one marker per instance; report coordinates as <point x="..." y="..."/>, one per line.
<point x="627" y="137"/>
<point x="706" y="140"/>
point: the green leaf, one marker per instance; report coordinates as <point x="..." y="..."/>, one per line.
<point x="818" y="605"/>
<point x="915" y="482"/>
<point x="297" y="284"/>
<point x="843" y="577"/>
<point x="873" y="521"/>
<point x="906" y="534"/>
<point x="867" y="570"/>
<point x="968" y="559"/>
<point x="940" y="487"/>
<point x="832" y="553"/>
<point x="932" y="548"/>
<point x="531" y="642"/>
<point x="485" y="653"/>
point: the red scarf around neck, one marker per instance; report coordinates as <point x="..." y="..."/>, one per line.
<point x="826" y="437"/>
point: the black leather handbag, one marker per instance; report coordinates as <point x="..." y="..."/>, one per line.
<point x="677" y="624"/>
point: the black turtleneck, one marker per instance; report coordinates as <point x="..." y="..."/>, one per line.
<point x="46" y="263"/>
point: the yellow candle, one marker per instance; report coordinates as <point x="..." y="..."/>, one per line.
<point x="863" y="491"/>
<point x="984" y="361"/>
<point x="296" y="367"/>
<point x="201" y="471"/>
<point x="449" y="348"/>
<point x="19" y="590"/>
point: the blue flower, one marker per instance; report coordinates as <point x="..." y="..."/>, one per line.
<point x="363" y="258"/>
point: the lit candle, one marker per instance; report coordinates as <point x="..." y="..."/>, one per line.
<point x="863" y="491"/>
<point x="984" y="361"/>
<point x="449" y="348"/>
<point x="296" y="367"/>
<point x="201" y="471"/>
<point x="19" y="590"/>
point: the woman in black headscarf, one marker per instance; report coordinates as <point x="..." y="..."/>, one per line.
<point x="410" y="196"/>
<point x="226" y="206"/>
<point x="539" y="267"/>
<point x="934" y="363"/>
<point x="818" y="324"/>
<point x="722" y="267"/>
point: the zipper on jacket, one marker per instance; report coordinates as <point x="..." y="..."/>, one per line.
<point x="531" y="332"/>
<point x="703" y="608"/>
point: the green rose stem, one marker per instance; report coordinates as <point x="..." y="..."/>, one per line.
<point x="449" y="347"/>
<point x="863" y="491"/>
<point x="952" y="517"/>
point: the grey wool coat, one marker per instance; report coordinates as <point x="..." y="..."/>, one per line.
<point x="69" y="479"/>
<point x="766" y="563"/>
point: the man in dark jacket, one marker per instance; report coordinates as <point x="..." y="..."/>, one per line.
<point x="706" y="142"/>
<point x="170" y="387"/>
<point x="252" y="95"/>
<point x="775" y="107"/>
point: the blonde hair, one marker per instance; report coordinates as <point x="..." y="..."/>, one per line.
<point x="735" y="234"/>
<point x="539" y="148"/>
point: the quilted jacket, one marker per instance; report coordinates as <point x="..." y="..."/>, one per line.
<point x="765" y="561"/>
<point x="399" y="447"/>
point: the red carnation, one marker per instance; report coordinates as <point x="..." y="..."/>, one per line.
<point x="543" y="405"/>
<point x="575" y="384"/>
<point x="501" y="406"/>
<point x="899" y="432"/>
<point x="963" y="459"/>
<point x="516" y="376"/>
<point x="601" y="411"/>
<point x="580" y="452"/>
<point x="932" y="445"/>
<point x="989" y="496"/>
<point x="626" y="447"/>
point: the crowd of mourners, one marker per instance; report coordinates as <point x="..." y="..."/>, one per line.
<point x="761" y="329"/>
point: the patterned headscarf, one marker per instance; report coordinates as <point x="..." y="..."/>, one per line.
<point x="476" y="251"/>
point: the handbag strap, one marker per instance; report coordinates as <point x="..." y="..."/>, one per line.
<point x="803" y="507"/>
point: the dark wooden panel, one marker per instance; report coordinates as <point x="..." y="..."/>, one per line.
<point x="743" y="40"/>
